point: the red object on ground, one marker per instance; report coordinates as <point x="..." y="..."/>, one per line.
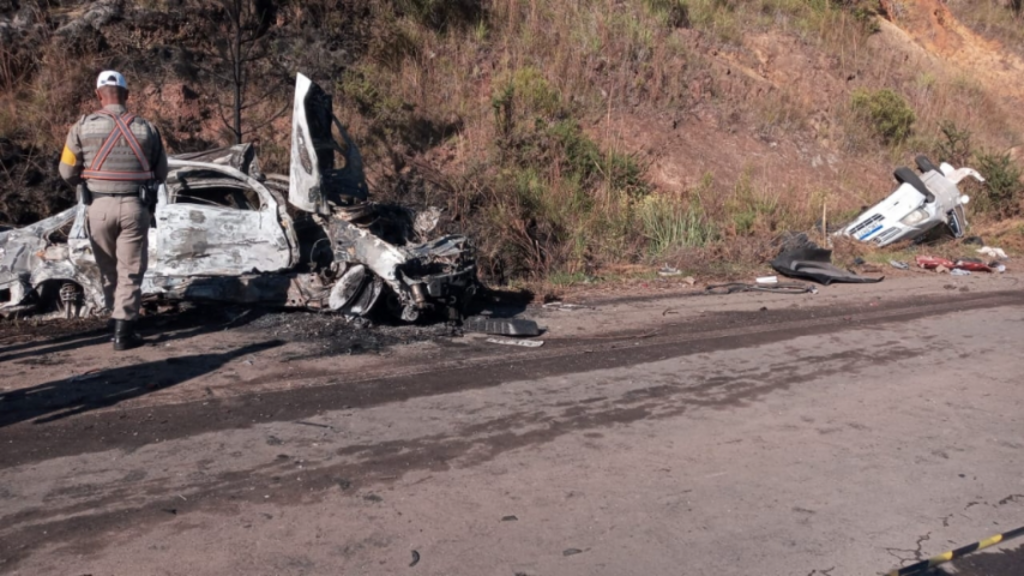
<point x="973" y="266"/>
<point x="931" y="262"/>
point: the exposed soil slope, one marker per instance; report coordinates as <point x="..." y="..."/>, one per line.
<point x="758" y="116"/>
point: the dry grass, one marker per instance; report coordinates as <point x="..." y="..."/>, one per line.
<point x="503" y="115"/>
<point x="1002" y="20"/>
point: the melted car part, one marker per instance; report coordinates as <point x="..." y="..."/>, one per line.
<point x="816" y="264"/>
<point x="801" y="258"/>
<point x="501" y="327"/>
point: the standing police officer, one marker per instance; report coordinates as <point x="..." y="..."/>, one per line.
<point x="120" y="159"/>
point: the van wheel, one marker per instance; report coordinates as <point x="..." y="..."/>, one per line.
<point x="925" y="165"/>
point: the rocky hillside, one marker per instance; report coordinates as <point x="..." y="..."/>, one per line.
<point x="569" y="136"/>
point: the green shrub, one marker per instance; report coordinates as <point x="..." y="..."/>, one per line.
<point x="955" y="146"/>
<point x="675" y="13"/>
<point x="1003" y="188"/>
<point x="672" y="223"/>
<point x="442" y="14"/>
<point x="754" y="210"/>
<point x="886" y="112"/>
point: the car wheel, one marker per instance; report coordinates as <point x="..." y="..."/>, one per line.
<point x="347" y="288"/>
<point x="905" y="175"/>
<point x="63" y="298"/>
<point x="925" y="165"/>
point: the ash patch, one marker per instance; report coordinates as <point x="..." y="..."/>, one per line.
<point x="331" y="335"/>
<point x="20" y="331"/>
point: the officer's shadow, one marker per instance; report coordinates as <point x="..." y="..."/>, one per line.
<point x="71" y="396"/>
<point x="154" y="331"/>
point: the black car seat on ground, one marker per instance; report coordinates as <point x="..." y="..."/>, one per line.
<point x="799" y="257"/>
<point x="905" y="175"/>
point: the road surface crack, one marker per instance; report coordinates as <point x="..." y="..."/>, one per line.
<point x="920" y="543"/>
<point x="1010" y="498"/>
<point x="917" y="552"/>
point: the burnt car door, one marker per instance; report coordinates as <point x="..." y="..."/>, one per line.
<point x="326" y="168"/>
<point x="214" y="220"/>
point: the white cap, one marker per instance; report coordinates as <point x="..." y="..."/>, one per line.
<point x="111" y="78"/>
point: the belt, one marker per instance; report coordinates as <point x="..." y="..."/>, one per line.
<point x="123" y="195"/>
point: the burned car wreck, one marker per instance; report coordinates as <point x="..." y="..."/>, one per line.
<point x="223" y="231"/>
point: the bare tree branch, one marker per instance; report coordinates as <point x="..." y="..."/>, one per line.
<point x="269" y="120"/>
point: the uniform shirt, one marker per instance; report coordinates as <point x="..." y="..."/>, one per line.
<point x="87" y="136"/>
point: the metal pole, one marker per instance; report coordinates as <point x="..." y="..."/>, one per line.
<point x="958" y="553"/>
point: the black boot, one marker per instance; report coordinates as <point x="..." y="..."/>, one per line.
<point x="125" y="337"/>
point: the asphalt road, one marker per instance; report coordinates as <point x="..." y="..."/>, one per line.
<point x="648" y="436"/>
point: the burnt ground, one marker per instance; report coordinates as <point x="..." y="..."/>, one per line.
<point x="331" y="335"/>
<point x="326" y="334"/>
<point x="896" y="396"/>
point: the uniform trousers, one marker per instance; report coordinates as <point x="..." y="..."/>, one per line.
<point x="119" y="233"/>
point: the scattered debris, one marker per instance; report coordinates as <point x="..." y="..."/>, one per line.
<point x="521" y="343"/>
<point x="918" y="204"/>
<point x="993" y="252"/>
<point x="415" y="559"/>
<point x="959" y="272"/>
<point x="899" y="265"/>
<point x="559" y="305"/>
<point x="802" y="258"/>
<point x="509" y="518"/>
<point x="767" y="280"/>
<point x="571" y="551"/>
<point x="780" y="288"/>
<point x="87" y="375"/>
<point x="972" y="265"/>
<point x="942" y="265"/>
<point x="933" y="263"/>
<point x="501" y="327"/>
<point x="667" y="270"/>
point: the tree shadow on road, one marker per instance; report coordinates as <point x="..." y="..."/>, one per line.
<point x="66" y="397"/>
